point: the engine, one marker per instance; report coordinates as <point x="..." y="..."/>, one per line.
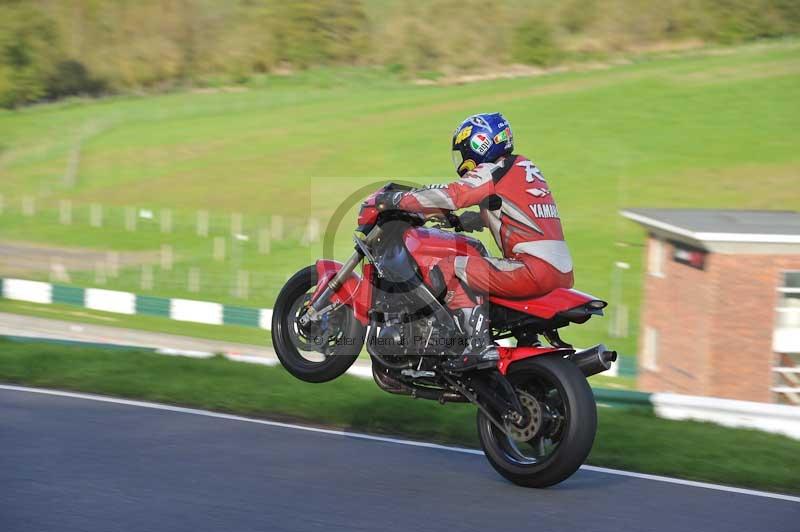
<point x="396" y="335"/>
<point x="407" y="321"/>
<point x="400" y="339"/>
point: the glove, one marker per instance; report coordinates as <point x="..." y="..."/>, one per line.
<point x="387" y="201"/>
<point x="471" y="221"/>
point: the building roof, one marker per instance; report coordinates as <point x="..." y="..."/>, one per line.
<point x="721" y="225"/>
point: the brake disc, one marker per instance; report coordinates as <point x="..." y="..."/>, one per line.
<point x="319" y="336"/>
<point x="535" y="418"/>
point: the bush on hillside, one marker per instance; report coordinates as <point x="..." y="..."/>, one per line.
<point x="54" y="49"/>
<point x="71" y="78"/>
<point x="318" y="32"/>
<point x="533" y="43"/>
<point x="461" y="35"/>
<point x="577" y="15"/>
<point x="743" y="20"/>
<point x="28" y="48"/>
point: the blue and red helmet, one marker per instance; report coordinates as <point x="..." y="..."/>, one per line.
<point x="479" y="139"/>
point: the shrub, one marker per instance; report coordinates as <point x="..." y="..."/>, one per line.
<point x="160" y="44"/>
<point x="71" y="78"/>
<point x="28" y="47"/>
<point x="533" y="43"/>
<point x="314" y="32"/>
<point x="577" y="15"/>
<point x="743" y="20"/>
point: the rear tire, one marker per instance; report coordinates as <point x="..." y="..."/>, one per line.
<point x="343" y="354"/>
<point x="575" y="427"/>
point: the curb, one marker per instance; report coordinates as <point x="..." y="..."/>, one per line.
<point x="129" y="303"/>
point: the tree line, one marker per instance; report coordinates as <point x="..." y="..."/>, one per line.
<point x="51" y="49"/>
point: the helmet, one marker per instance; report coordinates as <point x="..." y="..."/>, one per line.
<point x="481" y="138"/>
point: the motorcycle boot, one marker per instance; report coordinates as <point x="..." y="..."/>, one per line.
<point x="480" y="352"/>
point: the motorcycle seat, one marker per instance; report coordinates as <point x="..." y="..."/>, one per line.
<point x="555" y="302"/>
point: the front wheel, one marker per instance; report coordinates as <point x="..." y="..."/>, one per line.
<point x="561" y="428"/>
<point x="321" y="350"/>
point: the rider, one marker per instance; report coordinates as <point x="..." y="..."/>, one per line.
<point x="525" y="224"/>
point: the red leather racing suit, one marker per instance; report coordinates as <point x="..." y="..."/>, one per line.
<point x="526" y="228"/>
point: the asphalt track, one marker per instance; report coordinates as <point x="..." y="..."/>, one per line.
<point x="70" y="463"/>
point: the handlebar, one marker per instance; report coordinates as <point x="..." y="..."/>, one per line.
<point x="454" y="221"/>
<point x="468" y="222"/>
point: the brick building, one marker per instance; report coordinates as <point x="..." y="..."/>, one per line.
<point x="721" y="303"/>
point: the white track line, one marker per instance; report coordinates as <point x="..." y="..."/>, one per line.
<point x="348" y="434"/>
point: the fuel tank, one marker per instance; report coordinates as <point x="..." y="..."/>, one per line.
<point x="428" y="246"/>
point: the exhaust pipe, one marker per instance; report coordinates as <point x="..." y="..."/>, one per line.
<point x="388" y="384"/>
<point x="594" y="360"/>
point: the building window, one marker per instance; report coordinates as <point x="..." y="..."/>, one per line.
<point x="655" y="257"/>
<point x="787" y="326"/>
<point x="789" y="304"/>
<point x="650" y="349"/>
<point x="786" y="341"/>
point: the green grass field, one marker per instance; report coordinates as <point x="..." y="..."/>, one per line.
<point x="626" y="439"/>
<point x="713" y="129"/>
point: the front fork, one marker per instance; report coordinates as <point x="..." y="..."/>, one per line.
<point x="319" y="306"/>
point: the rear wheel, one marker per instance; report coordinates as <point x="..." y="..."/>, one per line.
<point x="560" y="430"/>
<point x="321" y="350"/>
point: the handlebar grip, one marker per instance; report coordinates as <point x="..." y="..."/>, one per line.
<point x="471" y="221"/>
<point x="454" y="221"/>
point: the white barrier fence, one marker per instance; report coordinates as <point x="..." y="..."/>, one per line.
<point x="110" y="301"/>
<point x="767" y="417"/>
<point x="33" y="291"/>
<point x="206" y="312"/>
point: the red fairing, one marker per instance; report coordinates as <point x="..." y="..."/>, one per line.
<point x="429" y="246"/>
<point x="326" y="269"/>
<point x="547" y="306"/>
<point x="355" y="292"/>
<point x="509" y="355"/>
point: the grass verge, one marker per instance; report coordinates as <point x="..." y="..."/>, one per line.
<point x="226" y="333"/>
<point x="627" y="439"/>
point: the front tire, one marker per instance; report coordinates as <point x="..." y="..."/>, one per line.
<point x="334" y="350"/>
<point x="561" y="432"/>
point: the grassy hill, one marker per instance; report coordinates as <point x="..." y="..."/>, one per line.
<point x="712" y="129"/>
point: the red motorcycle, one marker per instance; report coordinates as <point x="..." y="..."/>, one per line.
<point x="536" y="414"/>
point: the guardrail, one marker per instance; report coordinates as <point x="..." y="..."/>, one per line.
<point x="768" y="417"/>
<point x="622" y="398"/>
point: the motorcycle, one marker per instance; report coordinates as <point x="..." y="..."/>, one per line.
<point x="536" y="414"/>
